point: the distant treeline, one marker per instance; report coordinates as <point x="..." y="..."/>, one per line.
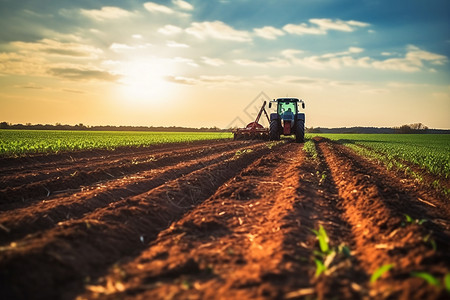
<point x="57" y="126"/>
<point x="411" y="128"/>
<point x="417" y="128"/>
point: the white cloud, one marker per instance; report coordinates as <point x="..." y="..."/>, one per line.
<point x="137" y="36"/>
<point x="170" y="30"/>
<point x="22" y="64"/>
<point x="418" y="54"/>
<point x="181" y="80"/>
<point x="351" y="50"/>
<point x="215" y="62"/>
<point x="158" y="8"/>
<point x="413" y="61"/>
<point x="183" y="4"/>
<point x="82" y="73"/>
<point x="355" y="50"/>
<point x="302" y="29"/>
<point x="206" y="80"/>
<point x="249" y="63"/>
<point x="183" y="60"/>
<point x="290" y="54"/>
<point x="174" y="44"/>
<point x="268" y="32"/>
<point x="217" y="30"/>
<point x="106" y="12"/>
<point x="117" y="47"/>
<point x="56" y="48"/>
<point x="272" y="62"/>
<point x="339" y="25"/>
<point x="322" y="26"/>
<point x="357" y="23"/>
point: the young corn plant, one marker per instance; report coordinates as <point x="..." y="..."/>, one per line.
<point x="433" y="280"/>
<point x="327" y="254"/>
<point x="410" y="220"/>
<point x="380" y="271"/>
<point x="310" y="147"/>
<point x="428" y="238"/>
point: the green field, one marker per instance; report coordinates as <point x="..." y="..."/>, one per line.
<point x="430" y="152"/>
<point x="22" y="142"/>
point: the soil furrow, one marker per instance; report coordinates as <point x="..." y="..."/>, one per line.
<point x="343" y="275"/>
<point x="44" y="215"/>
<point x="407" y="198"/>
<point x="38" y="190"/>
<point x="63" y="258"/>
<point x="10" y="165"/>
<point x="222" y="224"/>
<point x="379" y="230"/>
<point x="427" y="178"/>
<point x="241" y="243"/>
<point x="40" y="173"/>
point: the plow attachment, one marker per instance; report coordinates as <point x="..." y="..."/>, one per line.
<point x="253" y="130"/>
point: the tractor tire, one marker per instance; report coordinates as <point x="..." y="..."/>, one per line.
<point x="274" y="134"/>
<point x="300" y="131"/>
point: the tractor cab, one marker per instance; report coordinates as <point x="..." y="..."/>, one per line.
<point x="287" y="120"/>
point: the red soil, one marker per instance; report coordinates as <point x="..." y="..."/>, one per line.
<point x="217" y="219"/>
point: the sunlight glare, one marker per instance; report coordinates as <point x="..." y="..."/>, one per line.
<point x="143" y="81"/>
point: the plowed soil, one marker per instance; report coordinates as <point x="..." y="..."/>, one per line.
<point x="217" y="220"/>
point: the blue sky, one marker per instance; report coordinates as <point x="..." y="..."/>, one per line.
<point x="355" y="63"/>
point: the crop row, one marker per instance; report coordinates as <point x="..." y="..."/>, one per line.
<point x="428" y="151"/>
<point x="21" y="142"/>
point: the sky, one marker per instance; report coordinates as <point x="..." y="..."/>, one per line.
<point x="211" y="63"/>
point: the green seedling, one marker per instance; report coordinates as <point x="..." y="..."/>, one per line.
<point x="447" y="282"/>
<point x="410" y="220"/>
<point x="310" y="147"/>
<point x="272" y="144"/>
<point x="242" y="152"/>
<point x="380" y="271"/>
<point x="323" y="239"/>
<point x="320" y="267"/>
<point x="432" y="280"/>
<point x="186" y="285"/>
<point x="344" y="250"/>
<point x="322" y="178"/>
<point x="427" y="277"/>
<point x="324" y="258"/>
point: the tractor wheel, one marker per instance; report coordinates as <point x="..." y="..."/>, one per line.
<point x="300" y="131"/>
<point x="274" y="134"/>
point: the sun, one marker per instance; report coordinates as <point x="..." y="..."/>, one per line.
<point x="143" y="80"/>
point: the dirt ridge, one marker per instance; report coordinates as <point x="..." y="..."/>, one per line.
<point x="219" y="219"/>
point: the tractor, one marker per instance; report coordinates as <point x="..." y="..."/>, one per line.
<point x="287" y="120"/>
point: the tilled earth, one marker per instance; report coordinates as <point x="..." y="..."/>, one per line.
<point x="217" y="220"/>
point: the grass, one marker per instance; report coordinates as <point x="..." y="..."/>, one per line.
<point x="23" y="142"/>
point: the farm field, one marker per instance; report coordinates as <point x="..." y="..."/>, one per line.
<point x="23" y="142"/>
<point x="224" y="219"/>
<point x="425" y="157"/>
